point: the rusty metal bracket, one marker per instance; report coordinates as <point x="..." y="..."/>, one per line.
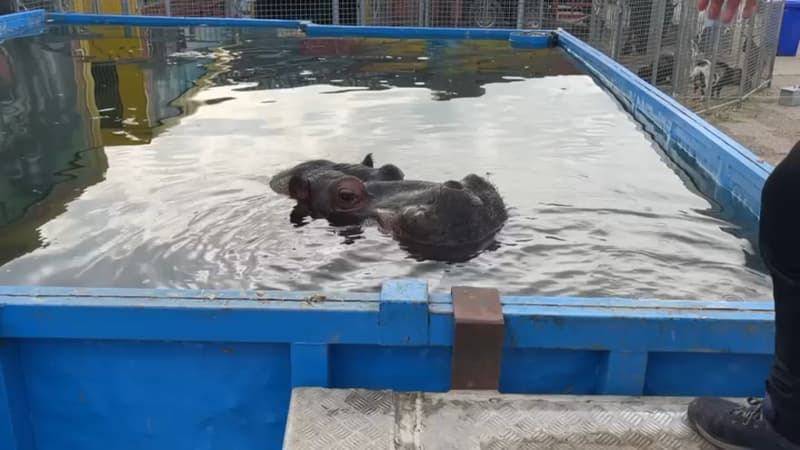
<point x="479" y="329"/>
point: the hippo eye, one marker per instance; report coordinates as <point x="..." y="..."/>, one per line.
<point x="347" y="196"/>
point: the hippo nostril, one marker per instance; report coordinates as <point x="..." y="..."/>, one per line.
<point x="453" y="185"/>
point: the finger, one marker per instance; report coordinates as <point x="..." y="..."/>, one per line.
<point x="750" y="9"/>
<point x="731" y="8"/>
<point x="702" y="4"/>
<point x="714" y="9"/>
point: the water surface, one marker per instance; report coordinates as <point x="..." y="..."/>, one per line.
<point x="158" y="178"/>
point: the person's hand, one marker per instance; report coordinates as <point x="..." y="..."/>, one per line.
<point x="728" y="8"/>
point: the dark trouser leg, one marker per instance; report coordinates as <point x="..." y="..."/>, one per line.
<point x="775" y="423"/>
<point x="780" y="250"/>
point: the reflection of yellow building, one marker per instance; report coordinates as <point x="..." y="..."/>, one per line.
<point x="116" y="73"/>
<point x="22" y="234"/>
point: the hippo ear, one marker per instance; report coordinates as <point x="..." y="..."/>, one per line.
<point x="299" y="189"/>
<point x="368" y="160"/>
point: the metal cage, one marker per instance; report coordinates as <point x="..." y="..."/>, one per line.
<point x="701" y="63"/>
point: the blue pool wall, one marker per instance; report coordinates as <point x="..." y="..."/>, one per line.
<point x="183" y="369"/>
<point x="187" y="369"/>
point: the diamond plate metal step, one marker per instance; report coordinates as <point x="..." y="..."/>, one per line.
<point x="365" y="419"/>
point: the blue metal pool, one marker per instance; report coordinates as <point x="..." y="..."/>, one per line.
<point x="110" y="368"/>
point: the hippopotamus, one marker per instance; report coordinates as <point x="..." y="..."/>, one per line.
<point x="427" y="217"/>
<point x="364" y="171"/>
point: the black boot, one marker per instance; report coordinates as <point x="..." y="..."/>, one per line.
<point x="773" y="423"/>
<point x="730" y="425"/>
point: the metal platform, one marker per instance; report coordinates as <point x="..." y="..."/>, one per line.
<point x="363" y="419"/>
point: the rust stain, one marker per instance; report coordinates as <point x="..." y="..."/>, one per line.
<point x="82" y="396"/>
<point x="227" y="349"/>
<point x="315" y="298"/>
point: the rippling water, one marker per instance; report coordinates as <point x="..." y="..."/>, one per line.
<point x="159" y="177"/>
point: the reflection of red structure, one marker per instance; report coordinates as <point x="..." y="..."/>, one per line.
<point x="186" y="8"/>
<point x="571" y="11"/>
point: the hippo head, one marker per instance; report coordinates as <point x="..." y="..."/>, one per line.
<point x="364" y="171"/>
<point x="464" y="214"/>
<point x="429" y="217"/>
<point x="330" y="194"/>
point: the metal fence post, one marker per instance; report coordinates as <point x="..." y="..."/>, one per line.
<point x="362" y="12"/>
<point x="748" y="48"/>
<point x="619" y="32"/>
<point x="774" y="48"/>
<point x="709" y="86"/>
<point x="520" y="13"/>
<point x="335" y="11"/>
<point x="654" y="43"/>
<point x="168" y="7"/>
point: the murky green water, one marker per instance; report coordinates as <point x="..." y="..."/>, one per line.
<point x="129" y="159"/>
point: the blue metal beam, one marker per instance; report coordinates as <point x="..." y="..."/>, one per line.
<point x="314" y="30"/>
<point x="16" y="431"/>
<point x="403" y="314"/>
<point x="28" y="23"/>
<point x="164" y="21"/>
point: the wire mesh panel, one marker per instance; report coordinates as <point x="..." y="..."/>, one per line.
<point x="668" y="43"/>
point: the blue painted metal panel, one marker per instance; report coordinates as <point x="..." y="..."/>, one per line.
<point x="212" y="369"/>
<point x="190" y="320"/>
<point x="737" y="174"/>
<point x="625" y="373"/>
<point x="554" y="371"/>
<point x="708" y="373"/>
<point x="404" y="313"/>
<point x="164" y="21"/>
<point x="624" y="330"/>
<point x="126" y="395"/>
<point x="531" y="39"/>
<point x="16" y="427"/>
<point x="391" y="367"/>
<point x="310" y="365"/>
<point x="28" y="23"/>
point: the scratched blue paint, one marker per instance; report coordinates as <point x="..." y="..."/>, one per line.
<point x="125" y="395"/>
<point x="557" y="329"/>
<point x="403" y="317"/>
<point x="612" y="302"/>
<point x="16" y="25"/>
<point x="200" y="321"/>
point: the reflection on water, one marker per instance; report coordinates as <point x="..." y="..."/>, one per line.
<point x="140" y="158"/>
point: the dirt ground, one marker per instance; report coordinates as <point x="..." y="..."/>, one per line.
<point x="760" y="123"/>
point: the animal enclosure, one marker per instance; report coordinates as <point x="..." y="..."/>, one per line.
<point x="666" y="42"/>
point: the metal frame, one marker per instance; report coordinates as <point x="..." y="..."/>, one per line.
<point x="28" y="23"/>
<point x="551" y="345"/>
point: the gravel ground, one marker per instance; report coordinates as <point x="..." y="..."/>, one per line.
<point x="760" y="123"/>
